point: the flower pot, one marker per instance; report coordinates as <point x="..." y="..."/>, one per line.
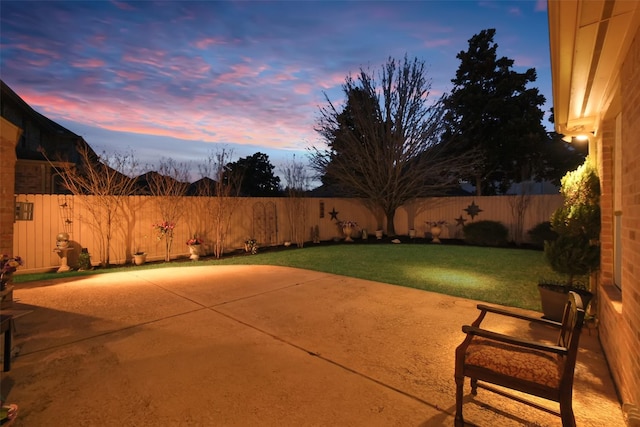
<point x="379" y="234"/>
<point x="194" y="250"/>
<point x="139" y="259"/>
<point x="553" y="298"/>
<point x="412" y="233"/>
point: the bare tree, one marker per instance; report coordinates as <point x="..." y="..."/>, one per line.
<point x="107" y="180"/>
<point x="221" y="191"/>
<point x="297" y="182"/>
<point x="386" y="144"/>
<point x="169" y="186"/>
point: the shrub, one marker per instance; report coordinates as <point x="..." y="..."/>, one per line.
<point x="576" y="251"/>
<point x="84" y="260"/>
<point x="486" y="233"/>
<point x="542" y="232"/>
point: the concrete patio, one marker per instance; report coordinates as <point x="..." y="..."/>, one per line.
<point x="259" y="345"/>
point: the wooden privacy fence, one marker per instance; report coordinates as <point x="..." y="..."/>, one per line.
<point x="268" y="220"/>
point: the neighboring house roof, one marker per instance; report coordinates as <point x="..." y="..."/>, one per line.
<point x="59" y="142"/>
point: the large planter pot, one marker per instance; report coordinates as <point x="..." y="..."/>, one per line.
<point x="194" y="250"/>
<point x="554" y="297"/>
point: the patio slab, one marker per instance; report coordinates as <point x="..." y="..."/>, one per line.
<point x="248" y="345"/>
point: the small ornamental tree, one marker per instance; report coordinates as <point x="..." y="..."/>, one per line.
<point x="220" y="193"/>
<point x="297" y="183"/>
<point x="169" y="186"/>
<point x="576" y="251"/>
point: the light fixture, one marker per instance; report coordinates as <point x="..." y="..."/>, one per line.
<point x="575" y="138"/>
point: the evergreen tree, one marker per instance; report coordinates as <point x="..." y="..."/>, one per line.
<point x="491" y="108"/>
<point x="258" y="179"/>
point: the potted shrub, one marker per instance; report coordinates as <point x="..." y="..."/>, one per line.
<point x="139" y="257"/>
<point x="576" y="249"/>
<point x="84" y="260"/>
<point x="194" y="247"/>
<point x="435" y="228"/>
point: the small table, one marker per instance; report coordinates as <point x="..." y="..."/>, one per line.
<point x="6" y="323"/>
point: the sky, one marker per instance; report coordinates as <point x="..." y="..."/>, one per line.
<point x="182" y="79"/>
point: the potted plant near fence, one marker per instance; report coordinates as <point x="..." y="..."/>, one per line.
<point x="84" y="260"/>
<point x="139" y="257"/>
<point x="194" y="247"/>
<point x="576" y="249"/>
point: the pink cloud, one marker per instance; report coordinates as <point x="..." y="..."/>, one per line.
<point x="89" y="63"/>
<point x="216" y="124"/>
<point x="303" y="88"/>
<point x="38" y="51"/>
<point x="122" y="5"/>
<point x="239" y="73"/>
<point x="207" y="42"/>
<point x="525" y="61"/>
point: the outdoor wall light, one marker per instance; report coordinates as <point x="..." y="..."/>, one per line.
<point x="575" y="138"/>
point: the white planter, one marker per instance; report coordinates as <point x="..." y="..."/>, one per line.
<point x="194" y="250"/>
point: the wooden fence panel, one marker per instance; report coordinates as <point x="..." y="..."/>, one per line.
<point x="133" y="226"/>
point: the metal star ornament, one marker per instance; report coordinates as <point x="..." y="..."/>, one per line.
<point x="334" y="214"/>
<point x="473" y="209"/>
<point x="460" y="221"/>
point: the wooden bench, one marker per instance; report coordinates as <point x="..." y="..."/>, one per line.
<point x="531" y="367"/>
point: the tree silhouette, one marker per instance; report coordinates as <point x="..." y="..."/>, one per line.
<point x="385" y="146"/>
<point x="492" y="108"/>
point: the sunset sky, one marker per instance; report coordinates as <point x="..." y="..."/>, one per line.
<point x="179" y="78"/>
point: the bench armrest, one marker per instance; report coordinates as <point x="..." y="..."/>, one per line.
<point x="503" y="312"/>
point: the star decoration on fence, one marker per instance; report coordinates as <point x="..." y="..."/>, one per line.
<point x="473" y="209"/>
<point x="334" y="214"/>
<point x="460" y="221"/>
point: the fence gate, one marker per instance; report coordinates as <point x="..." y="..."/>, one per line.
<point x="265" y="223"/>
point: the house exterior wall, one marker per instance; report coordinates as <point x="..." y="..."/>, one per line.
<point x="9" y="136"/>
<point x="619" y="310"/>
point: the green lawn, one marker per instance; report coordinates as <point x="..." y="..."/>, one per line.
<point x="496" y="275"/>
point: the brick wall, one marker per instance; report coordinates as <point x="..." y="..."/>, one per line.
<point x="9" y="135"/>
<point x="619" y="311"/>
<point x="33" y="177"/>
